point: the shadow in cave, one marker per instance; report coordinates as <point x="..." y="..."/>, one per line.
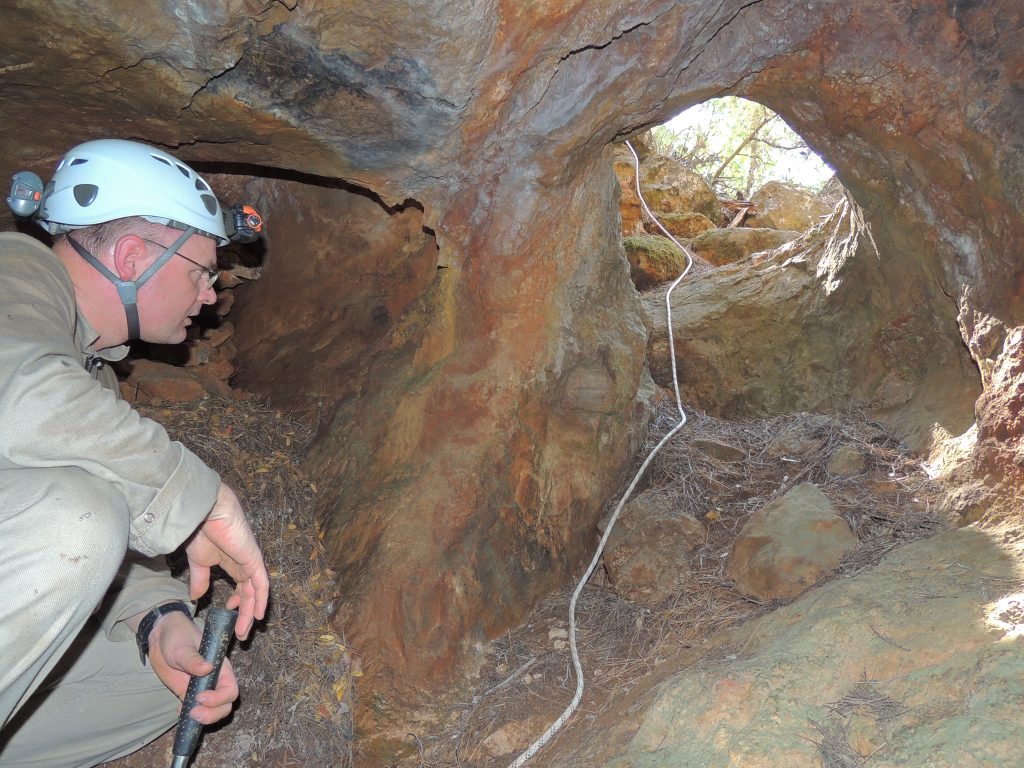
<point x="300" y="177"/>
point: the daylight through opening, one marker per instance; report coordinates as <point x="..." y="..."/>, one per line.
<point x="738" y="145"/>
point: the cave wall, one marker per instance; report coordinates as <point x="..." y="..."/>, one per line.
<point x="440" y="437"/>
<point x="917" y="106"/>
<point x="474" y="426"/>
<point x="343" y="275"/>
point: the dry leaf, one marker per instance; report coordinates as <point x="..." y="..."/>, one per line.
<point x="339" y="688"/>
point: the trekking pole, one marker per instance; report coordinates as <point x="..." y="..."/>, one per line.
<point x="213" y="648"/>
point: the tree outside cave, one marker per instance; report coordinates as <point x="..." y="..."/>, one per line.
<point x="737" y="145"/>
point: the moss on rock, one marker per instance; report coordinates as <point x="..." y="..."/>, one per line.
<point x="652" y="259"/>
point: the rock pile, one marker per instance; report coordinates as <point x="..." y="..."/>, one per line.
<point x="202" y="364"/>
<point x="768" y="508"/>
<point x="686" y="206"/>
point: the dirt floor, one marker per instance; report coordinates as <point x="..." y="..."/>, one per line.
<point x="300" y="682"/>
<point x="627" y="647"/>
<point x="295" y="673"/>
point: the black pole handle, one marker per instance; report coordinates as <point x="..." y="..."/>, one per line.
<point x="213" y="648"/>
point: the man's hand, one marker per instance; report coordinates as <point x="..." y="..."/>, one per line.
<point x="224" y="538"/>
<point x="174" y="656"/>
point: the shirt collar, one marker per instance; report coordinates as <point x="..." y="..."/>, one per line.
<point x="90" y="336"/>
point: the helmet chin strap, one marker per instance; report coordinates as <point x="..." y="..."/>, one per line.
<point x="128" y="290"/>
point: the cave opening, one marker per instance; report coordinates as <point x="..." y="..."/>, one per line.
<point x="738" y="145"/>
<point x="727" y="163"/>
<point x="727" y="167"/>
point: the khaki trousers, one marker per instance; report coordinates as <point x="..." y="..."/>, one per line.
<point x="99" y="704"/>
<point x="69" y="695"/>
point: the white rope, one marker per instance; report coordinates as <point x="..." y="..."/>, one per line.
<point x="556" y="726"/>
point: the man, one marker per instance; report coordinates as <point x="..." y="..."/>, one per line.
<point x="91" y="494"/>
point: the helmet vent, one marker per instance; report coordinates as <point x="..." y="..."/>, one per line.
<point x="201" y="185"/>
<point x="184" y="171"/>
<point x="210" y="202"/>
<point x="161" y="159"/>
<point x="85" y="194"/>
<point x="79" y="160"/>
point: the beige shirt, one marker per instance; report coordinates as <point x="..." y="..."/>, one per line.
<point x="53" y="412"/>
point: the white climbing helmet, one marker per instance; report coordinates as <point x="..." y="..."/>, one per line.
<point x="108" y="179"/>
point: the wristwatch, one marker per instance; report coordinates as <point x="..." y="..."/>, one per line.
<point x="150" y="619"/>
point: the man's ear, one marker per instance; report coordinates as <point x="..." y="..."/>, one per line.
<point x="130" y="257"/>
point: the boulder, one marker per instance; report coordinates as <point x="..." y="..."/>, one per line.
<point x="225" y="301"/>
<point x="515" y="736"/>
<point x="149" y="380"/>
<point x="779" y="205"/>
<point x="646" y="551"/>
<point x="669" y="187"/>
<point x="630" y="211"/>
<point x="719" y="450"/>
<point x="789" y="545"/>
<point x="652" y="259"/>
<point x="725" y="246"/>
<point x="847" y="461"/>
<point x="898" y="644"/>
<point x="743" y="337"/>
<point x="685" y="225"/>
<point x="219" y="334"/>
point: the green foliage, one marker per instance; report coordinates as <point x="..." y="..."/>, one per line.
<point x="738" y="145"/>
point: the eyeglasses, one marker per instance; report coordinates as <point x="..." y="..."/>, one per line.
<point x="209" y="275"/>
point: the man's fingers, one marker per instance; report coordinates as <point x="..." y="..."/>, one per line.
<point x="209" y="715"/>
<point x="218" y="697"/>
<point x="225" y="539"/>
<point x="245" y="600"/>
<point x="226" y="691"/>
<point x="198" y="580"/>
<point x="261" y="583"/>
<point x="194" y="664"/>
<point x="234" y="602"/>
<point x="245" y="618"/>
<point x="214" y="705"/>
<point x="253" y="582"/>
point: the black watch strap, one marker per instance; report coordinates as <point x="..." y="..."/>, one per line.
<point x="150" y="619"/>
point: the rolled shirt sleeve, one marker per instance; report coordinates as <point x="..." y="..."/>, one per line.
<point x="141" y="584"/>
<point x="54" y="413"/>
